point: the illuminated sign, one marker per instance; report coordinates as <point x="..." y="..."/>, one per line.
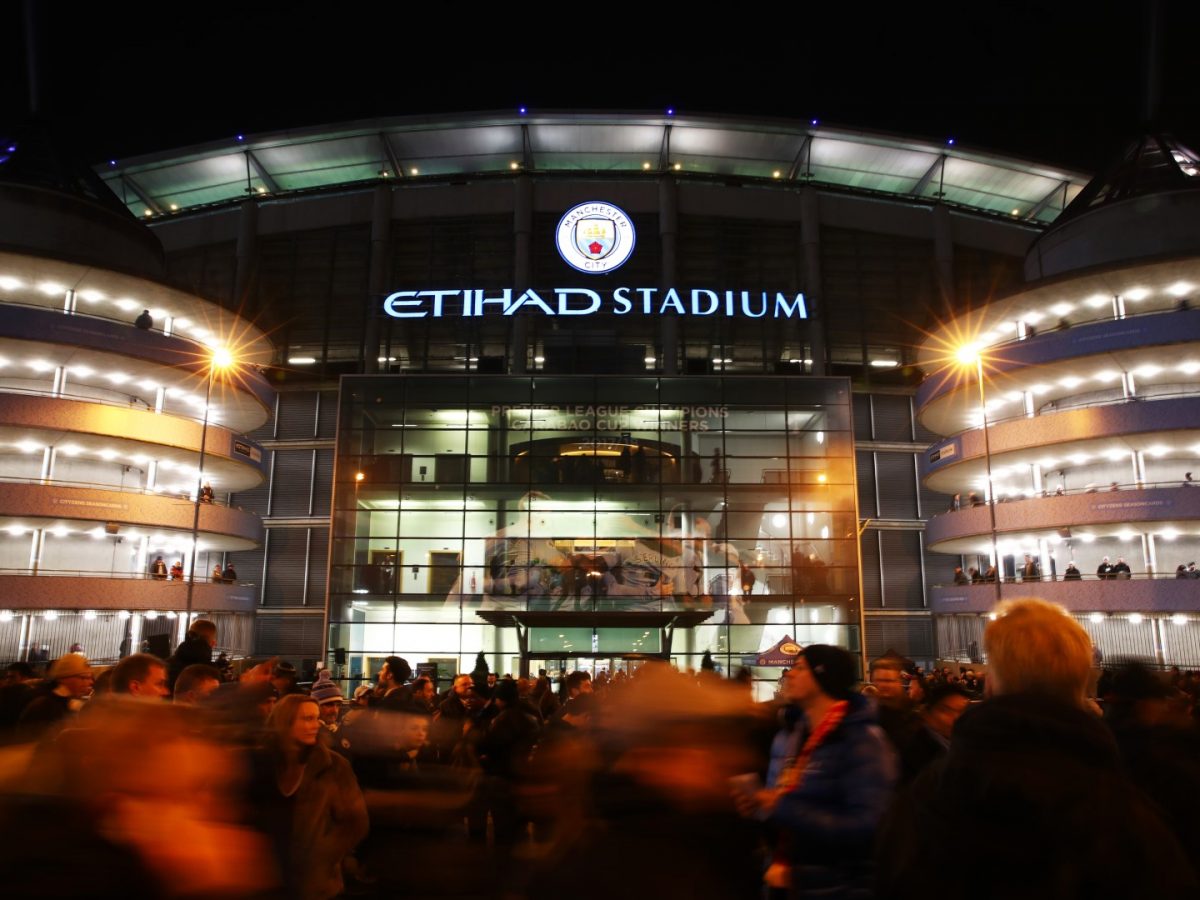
<point x="620" y="301"/>
<point x="595" y="238"/>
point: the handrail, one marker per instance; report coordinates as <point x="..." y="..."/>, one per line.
<point x="105" y="401"/>
<point x="1111" y="488"/>
<point x="1083" y="576"/>
<point x="79" y="313"/>
<point x="1116" y="401"/>
<point x="91" y="485"/>
<point x="1058" y="328"/>
<point x="121" y="576"/>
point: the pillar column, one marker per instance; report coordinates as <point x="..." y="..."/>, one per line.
<point x="668" y="232"/>
<point x="814" y="294"/>
<point x="518" y="349"/>
<point x="381" y="231"/>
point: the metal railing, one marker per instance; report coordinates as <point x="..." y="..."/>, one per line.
<point x="121" y="489"/>
<point x="1092" y="488"/>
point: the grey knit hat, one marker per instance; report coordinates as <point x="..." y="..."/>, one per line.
<point x="324" y="690"/>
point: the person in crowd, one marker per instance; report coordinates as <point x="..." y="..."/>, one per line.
<point x="218" y="574"/>
<point x="452" y="719"/>
<point x="1072" y="573"/>
<point x="1181" y="571"/>
<point x="196" y="648"/>
<point x="424" y="696"/>
<point x="960" y="577"/>
<point x="896" y="713"/>
<point x="941" y="709"/>
<point x="1104" y="571"/>
<point x="394" y="690"/>
<point x="306" y="800"/>
<point x="229" y="576"/>
<point x="158" y="568"/>
<point x="830" y="780"/>
<point x="142" y="676"/>
<point x="1192" y="571"/>
<point x="284" y="677"/>
<point x="1187" y="480"/>
<point x="1038" y="777"/>
<point x="206" y="493"/>
<point x="177" y="570"/>
<point x="955" y="503"/>
<point x="1121" y="569"/>
<point x="195" y="684"/>
<point x="990" y="575"/>
<point x="503" y="748"/>
<point x="1160" y="745"/>
<point x="975" y="576"/>
<point x="1031" y="571"/>
<point x="329" y="700"/>
<point x="746" y="576"/>
<point x="145" y="321"/>
<point x="16" y="690"/>
<point x="67" y="683"/>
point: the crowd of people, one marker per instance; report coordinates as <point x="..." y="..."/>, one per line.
<point x="174" y="778"/>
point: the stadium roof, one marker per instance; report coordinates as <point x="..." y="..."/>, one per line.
<point x="431" y="149"/>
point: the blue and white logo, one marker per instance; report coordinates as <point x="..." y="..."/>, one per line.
<point x="595" y="237"/>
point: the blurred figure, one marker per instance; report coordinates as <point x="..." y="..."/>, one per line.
<point x="830" y="781"/>
<point x="503" y="750"/>
<point x="1160" y="744"/>
<point x="897" y="713"/>
<point x="195" y="684"/>
<point x="141" y="676"/>
<point x="196" y="648"/>
<point x="16" y="691"/>
<point x="1038" y="777"/>
<point x="424" y="695"/>
<point x="306" y="800"/>
<point x="941" y="710"/>
<point x="69" y="680"/>
<point x="135" y="804"/>
<point x="284" y="677"/>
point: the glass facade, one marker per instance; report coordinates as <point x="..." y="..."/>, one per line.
<point x="730" y="498"/>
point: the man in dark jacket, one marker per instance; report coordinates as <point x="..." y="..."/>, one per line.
<point x="196" y="649"/>
<point x="1036" y="777"/>
<point x="830" y="779"/>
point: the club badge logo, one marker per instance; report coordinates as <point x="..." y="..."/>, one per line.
<point x="595" y="237"/>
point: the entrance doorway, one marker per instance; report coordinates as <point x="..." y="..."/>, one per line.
<point x="560" y="665"/>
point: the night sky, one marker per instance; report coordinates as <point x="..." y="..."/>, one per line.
<point x="1049" y="82"/>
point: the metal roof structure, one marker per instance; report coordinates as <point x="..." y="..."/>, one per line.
<point x="725" y="149"/>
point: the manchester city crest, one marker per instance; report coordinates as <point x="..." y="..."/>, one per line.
<point x="595" y="237"/>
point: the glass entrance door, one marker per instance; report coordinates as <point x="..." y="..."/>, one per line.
<point x="594" y="665"/>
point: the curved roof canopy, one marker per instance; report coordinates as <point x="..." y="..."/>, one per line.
<point x="701" y="147"/>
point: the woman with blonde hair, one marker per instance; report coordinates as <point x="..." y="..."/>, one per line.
<point x="307" y="800"/>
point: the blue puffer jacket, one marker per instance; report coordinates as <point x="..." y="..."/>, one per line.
<point x="828" y="822"/>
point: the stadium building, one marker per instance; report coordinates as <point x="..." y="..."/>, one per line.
<point x="581" y="389"/>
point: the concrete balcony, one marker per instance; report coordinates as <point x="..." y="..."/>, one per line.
<point x="1144" y="595"/>
<point x="239" y="459"/>
<point x="61" y="590"/>
<point x="1162" y="507"/>
<point x="230" y="529"/>
<point x="103" y="344"/>
<point x="951" y="463"/>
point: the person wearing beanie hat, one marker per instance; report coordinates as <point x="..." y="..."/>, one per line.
<point x="69" y="680"/>
<point x="830" y="780"/>
<point x="329" y="699"/>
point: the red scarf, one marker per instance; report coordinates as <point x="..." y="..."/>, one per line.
<point x="792" y="774"/>
<point x="778" y="875"/>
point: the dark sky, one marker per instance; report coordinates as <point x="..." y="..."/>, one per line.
<point x="1048" y="81"/>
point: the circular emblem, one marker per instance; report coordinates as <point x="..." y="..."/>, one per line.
<point x="788" y="648"/>
<point x="595" y="237"/>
